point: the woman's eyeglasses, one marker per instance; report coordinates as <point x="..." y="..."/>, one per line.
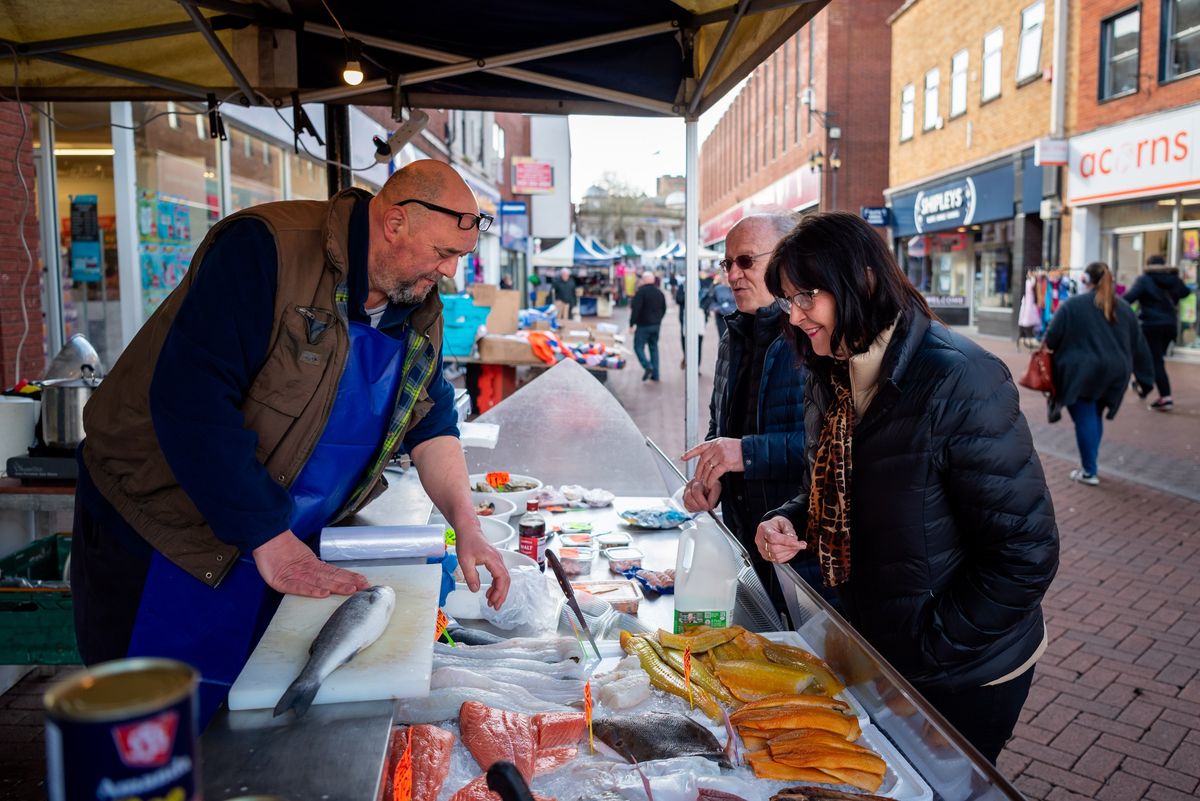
<point x="805" y="299"/>
<point x="466" y="220"/>
<point x="744" y="262"/>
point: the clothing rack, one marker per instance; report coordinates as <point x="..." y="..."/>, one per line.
<point x="1045" y="290"/>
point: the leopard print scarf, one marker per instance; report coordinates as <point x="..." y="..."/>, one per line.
<point x="829" y="496"/>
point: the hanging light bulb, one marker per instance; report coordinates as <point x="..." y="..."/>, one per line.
<point x="352" y="74"/>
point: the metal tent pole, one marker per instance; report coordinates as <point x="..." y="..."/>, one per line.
<point x="691" y="387"/>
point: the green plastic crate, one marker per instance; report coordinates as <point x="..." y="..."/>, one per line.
<point x="37" y="626"/>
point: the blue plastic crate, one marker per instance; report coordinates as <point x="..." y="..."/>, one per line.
<point x="462" y="319"/>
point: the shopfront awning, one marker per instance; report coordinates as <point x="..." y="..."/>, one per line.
<point x="644" y="57"/>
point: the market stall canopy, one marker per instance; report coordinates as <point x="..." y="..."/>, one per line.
<point x="597" y="246"/>
<point x="644" y="57"/>
<point x="677" y="251"/>
<point x="574" y="250"/>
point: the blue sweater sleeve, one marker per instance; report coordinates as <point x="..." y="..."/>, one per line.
<point x="216" y="345"/>
<point x="442" y="420"/>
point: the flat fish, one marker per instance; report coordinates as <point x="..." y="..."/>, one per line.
<point x="541" y="649"/>
<point x="658" y="735"/>
<point x="444" y="704"/>
<point x="567" y="669"/>
<point x="353" y="626"/>
<point x="528" y="687"/>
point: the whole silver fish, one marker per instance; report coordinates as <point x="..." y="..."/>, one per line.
<point x="352" y="627"/>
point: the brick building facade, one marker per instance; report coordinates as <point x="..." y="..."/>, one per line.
<point x="1133" y="182"/>
<point x="807" y="130"/>
<point x="15" y="267"/>
<point x="970" y="95"/>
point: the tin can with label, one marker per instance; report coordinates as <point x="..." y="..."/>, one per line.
<point x="124" y="729"/>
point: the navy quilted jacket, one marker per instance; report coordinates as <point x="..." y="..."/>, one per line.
<point x="953" y="539"/>
<point x="774" y="460"/>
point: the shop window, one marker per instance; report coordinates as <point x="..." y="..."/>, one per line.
<point x="1191" y="208"/>
<point x="958" y="83"/>
<point x="1029" y="51"/>
<point x="177" y="200"/>
<point x="1180" y="49"/>
<point x="1119" y="54"/>
<point x="255" y="180"/>
<point x="993" y="266"/>
<point x="1137" y="212"/>
<point x="907" y="100"/>
<point x="993" y="43"/>
<point x="308" y="182"/>
<point x="172" y="116"/>
<point x="932" y="118"/>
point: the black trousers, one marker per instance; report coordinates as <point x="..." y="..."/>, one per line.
<point x="986" y="716"/>
<point x="106" y="589"/>
<point x="1159" y="338"/>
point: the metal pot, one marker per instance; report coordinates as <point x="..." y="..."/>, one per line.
<point x="62" y="408"/>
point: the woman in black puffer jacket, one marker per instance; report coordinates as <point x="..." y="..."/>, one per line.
<point x="925" y="501"/>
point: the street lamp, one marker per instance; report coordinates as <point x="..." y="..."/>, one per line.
<point x="817" y="160"/>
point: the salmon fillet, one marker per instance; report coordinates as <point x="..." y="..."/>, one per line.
<point x="477" y="790"/>
<point x="551" y="759"/>
<point x="430" y="760"/>
<point x="492" y="735"/>
<point x="559" y="728"/>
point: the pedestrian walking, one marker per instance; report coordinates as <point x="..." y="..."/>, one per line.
<point x="924" y="499"/>
<point x="564" y="293"/>
<point x="681" y="302"/>
<point x="723" y="303"/>
<point x="646" y="311"/>
<point x="1096" y="344"/>
<point x="1157" y="291"/>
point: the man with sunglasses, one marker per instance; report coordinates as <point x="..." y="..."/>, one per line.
<point x="754" y="452"/>
<point x="261" y="403"/>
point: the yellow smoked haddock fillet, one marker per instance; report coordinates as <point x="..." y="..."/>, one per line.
<point x="805" y="718"/>
<point x="700" y="638"/>
<point x="814" y="737"/>
<point x="700" y="673"/>
<point x="746" y="646"/>
<point x="826" y="680"/>
<point x="831" y="758"/>
<point x="766" y="768"/>
<point x="750" y="681"/>
<point x="790" y="699"/>
<point x="665" y="678"/>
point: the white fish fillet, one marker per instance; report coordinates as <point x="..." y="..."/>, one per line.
<point x="625" y="692"/>
<point x="525" y="687"/>
<point x="564" y="670"/>
<point x="542" y="649"/>
<point x="444" y="704"/>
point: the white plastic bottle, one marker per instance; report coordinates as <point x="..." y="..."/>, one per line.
<point x="706" y="571"/>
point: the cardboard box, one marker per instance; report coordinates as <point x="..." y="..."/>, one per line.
<point x="506" y="350"/>
<point x="504" y="305"/>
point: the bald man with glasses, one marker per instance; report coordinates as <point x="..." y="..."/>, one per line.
<point x="260" y="403"/>
<point x="753" y="455"/>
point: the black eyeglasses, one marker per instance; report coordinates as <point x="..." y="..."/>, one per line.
<point x="466" y="220"/>
<point x="744" y="262"/>
<point x="806" y="299"/>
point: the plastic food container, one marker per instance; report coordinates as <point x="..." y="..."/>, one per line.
<point x="575" y="540"/>
<point x="623" y="595"/>
<point x="614" y="539"/>
<point x="622" y="559"/>
<point x="576" y="561"/>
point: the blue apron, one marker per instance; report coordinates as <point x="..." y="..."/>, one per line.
<point x="215" y="629"/>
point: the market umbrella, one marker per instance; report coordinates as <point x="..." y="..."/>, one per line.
<point x="572" y="251"/>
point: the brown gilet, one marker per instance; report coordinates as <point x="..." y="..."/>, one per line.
<point x="288" y="402"/>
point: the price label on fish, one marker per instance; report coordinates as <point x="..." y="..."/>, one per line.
<point x="443" y="623"/>
<point x="403" y="777"/>
<point x="687" y="673"/>
<point x="587" y="713"/>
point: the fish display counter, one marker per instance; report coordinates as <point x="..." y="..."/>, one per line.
<point x="819" y="713"/>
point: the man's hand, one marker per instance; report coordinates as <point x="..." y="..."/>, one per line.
<point x="473" y="550"/>
<point x="716" y="458"/>
<point x="776" y="540"/>
<point x="289" y="566"/>
<point x="699" y="498"/>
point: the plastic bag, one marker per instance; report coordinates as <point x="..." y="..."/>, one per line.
<point x="529" y="602"/>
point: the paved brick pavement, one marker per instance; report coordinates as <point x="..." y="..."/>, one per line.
<point x="1114" y="713"/>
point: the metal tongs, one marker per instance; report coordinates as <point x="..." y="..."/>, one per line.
<point x="569" y="591"/>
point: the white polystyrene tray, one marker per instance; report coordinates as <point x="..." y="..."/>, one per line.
<point x="901" y="781"/>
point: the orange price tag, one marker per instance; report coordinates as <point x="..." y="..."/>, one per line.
<point x="587" y="713"/>
<point x="443" y="623"/>
<point x="497" y="480"/>
<point x="402" y="778"/>
<point x="687" y="672"/>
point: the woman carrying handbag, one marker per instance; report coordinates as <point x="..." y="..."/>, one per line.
<point x="1096" y="344"/>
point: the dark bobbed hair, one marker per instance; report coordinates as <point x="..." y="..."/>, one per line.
<point x="839" y="253"/>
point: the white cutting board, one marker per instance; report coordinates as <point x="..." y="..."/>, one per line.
<point x="397" y="665"/>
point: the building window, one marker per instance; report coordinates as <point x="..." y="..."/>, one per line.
<point x="1029" y="53"/>
<point x="1119" y="54"/>
<point x="908" y="97"/>
<point x="172" y="115"/>
<point x="1180" y="39"/>
<point x="932" y="118"/>
<point x="958" y="83"/>
<point x="992" y="45"/>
